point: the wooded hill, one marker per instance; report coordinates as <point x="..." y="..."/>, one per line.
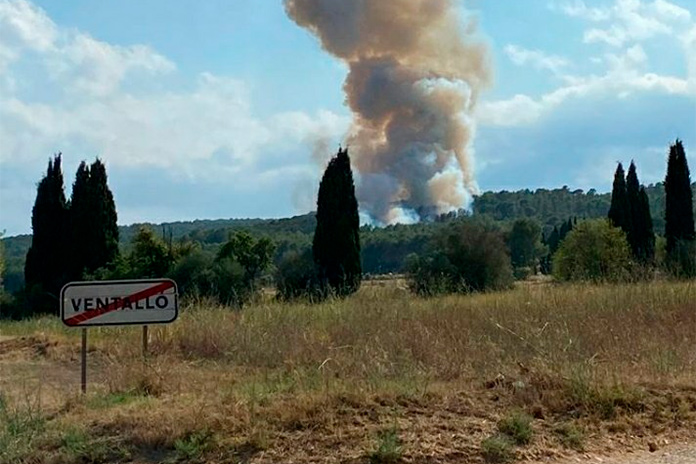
<point x="383" y="249"/>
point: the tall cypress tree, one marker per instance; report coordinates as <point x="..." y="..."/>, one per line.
<point x="644" y="218"/>
<point x="336" y="244"/>
<point x="105" y="233"/>
<point x="81" y="222"/>
<point x="93" y="228"/>
<point x="641" y="236"/>
<point x="619" y="214"/>
<point x="45" y="270"/>
<point x="679" y="215"/>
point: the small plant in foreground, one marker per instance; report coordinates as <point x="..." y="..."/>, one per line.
<point x="193" y="445"/>
<point x="19" y="429"/>
<point x="497" y="449"/>
<point x="571" y="436"/>
<point x="389" y="450"/>
<point x="77" y="446"/>
<point x="518" y="427"/>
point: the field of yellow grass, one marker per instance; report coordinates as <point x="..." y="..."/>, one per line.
<point x="533" y="374"/>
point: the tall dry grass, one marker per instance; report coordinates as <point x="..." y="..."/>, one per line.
<point x="275" y="375"/>
<point x="624" y="332"/>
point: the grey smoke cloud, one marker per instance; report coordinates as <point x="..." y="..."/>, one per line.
<point x="415" y="73"/>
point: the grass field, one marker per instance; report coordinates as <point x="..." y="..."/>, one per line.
<point x="536" y="373"/>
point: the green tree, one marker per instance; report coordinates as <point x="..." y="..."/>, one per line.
<point x="93" y="228"/>
<point x="81" y="222"/>
<point x="524" y="242"/>
<point x="238" y="265"/>
<point x="295" y="275"/>
<point x="640" y="236"/>
<point x="104" y="242"/>
<point x="336" y="244"/>
<point x="45" y="270"/>
<point x="2" y="263"/>
<point x="464" y="257"/>
<point x="593" y="251"/>
<point x="679" y="215"/>
<point x="619" y="212"/>
<point x="253" y="255"/>
<point x="150" y="257"/>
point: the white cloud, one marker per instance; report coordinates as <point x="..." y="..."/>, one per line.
<point x="579" y="9"/>
<point x="540" y="60"/>
<point x="98" y="68"/>
<point x="625" y="76"/>
<point x="209" y="132"/>
<point x="517" y="111"/>
<point x="627" y="70"/>
<point x="627" y="20"/>
<point x="671" y="12"/>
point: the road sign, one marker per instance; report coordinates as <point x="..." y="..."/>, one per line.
<point x="119" y="302"/>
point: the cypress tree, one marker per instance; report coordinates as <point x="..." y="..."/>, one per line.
<point x="93" y="228"/>
<point x="619" y="210"/>
<point x="81" y="222"/>
<point x="634" y="235"/>
<point x="105" y="232"/>
<point x="641" y="236"/>
<point x="679" y="215"/>
<point x="45" y="270"/>
<point x="336" y="243"/>
<point x="647" y="249"/>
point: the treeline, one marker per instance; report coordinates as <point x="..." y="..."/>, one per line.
<point x="314" y="256"/>
<point x="471" y="256"/>
<point x="384" y="248"/>
<point x="77" y="239"/>
<point x="552" y="206"/>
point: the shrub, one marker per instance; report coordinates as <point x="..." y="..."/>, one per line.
<point x="466" y="257"/>
<point x="681" y="262"/>
<point x="497" y="449"/>
<point x="593" y="251"/>
<point x="296" y="276"/>
<point x="518" y="427"/>
<point x="389" y="449"/>
<point x="194" y="275"/>
<point x="571" y="436"/>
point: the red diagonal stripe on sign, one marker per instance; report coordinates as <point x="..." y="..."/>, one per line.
<point x="132" y="299"/>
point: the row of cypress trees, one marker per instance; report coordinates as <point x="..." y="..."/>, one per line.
<point x="70" y="238"/>
<point x="630" y="211"/>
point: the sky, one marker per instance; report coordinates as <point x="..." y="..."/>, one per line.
<point x="211" y="109"/>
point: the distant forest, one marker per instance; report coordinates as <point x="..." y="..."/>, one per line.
<point x="383" y="249"/>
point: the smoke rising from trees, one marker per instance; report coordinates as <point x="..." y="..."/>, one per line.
<point x="415" y="73"/>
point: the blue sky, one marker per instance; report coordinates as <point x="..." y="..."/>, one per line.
<point x="211" y="109"/>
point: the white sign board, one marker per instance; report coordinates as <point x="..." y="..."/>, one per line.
<point x="119" y="302"/>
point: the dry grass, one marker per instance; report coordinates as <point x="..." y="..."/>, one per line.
<point x="319" y="383"/>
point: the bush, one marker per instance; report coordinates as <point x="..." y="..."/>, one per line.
<point x="194" y="275"/>
<point x="497" y="449"/>
<point x="518" y="427"/>
<point x="389" y="450"/>
<point x="296" y="276"/>
<point x="593" y="251"/>
<point x="466" y="257"/>
<point x="681" y="262"/>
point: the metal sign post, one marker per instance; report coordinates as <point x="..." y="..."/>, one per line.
<point x="83" y="357"/>
<point x="144" y="341"/>
<point x="119" y="302"/>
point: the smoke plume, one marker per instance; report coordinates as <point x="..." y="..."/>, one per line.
<point x="415" y="72"/>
